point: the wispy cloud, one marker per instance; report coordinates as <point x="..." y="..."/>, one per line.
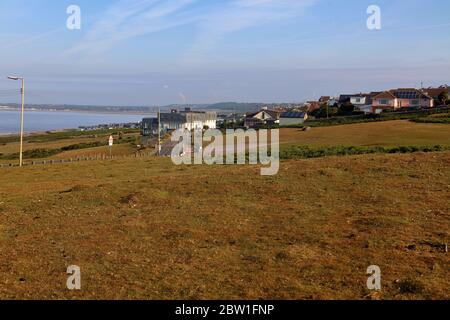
<point x="131" y="18"/>
<point x="126" y="19"/>
<point x="31" y="39"/>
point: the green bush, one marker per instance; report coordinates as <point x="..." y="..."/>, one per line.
<point x="32" y="154"/>
<point x="443" y="120"/>
<point x="45" y="153"/>
<point x="304" y="152"/>
<point x="83" y="146"/>
<point x="416" y="116"/>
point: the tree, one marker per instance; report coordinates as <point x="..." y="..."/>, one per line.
<point x="324" y="111"/>
<point x="347" y="108"/>
<point x="333" y="111"/>
<point x="443" y="98"/>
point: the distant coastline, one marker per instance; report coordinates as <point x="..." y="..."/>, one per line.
<point x="37" y="121"/>
<point x="28" y="109"/>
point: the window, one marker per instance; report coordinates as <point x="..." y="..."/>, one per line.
<point x="414" y="102"/>
<point x="384" y="101"/>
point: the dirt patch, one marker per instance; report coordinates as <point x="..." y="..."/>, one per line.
<point x="76" y="188"/>
<point x="133" y="200"/>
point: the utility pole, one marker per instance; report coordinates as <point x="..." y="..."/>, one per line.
<point x="21" y="117"/>
<point x="21" y="122"/>
<point x="159" y="131"/>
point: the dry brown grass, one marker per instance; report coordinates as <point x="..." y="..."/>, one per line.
<point x="389" y="133"/>
<point x="145" y="229"/>
<point x="119" y="149"/>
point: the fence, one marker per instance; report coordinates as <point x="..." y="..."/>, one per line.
<point x="79" y="159"/>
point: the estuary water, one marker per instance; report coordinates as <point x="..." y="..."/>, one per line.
<point x="36" y="121"/>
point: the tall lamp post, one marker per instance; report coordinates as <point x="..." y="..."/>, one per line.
<point x="21" y="117"/>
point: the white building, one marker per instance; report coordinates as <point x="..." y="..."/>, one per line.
<point x="293" y="118"/>
<point x="190" y="120"/>
<point x="362" y="102"/>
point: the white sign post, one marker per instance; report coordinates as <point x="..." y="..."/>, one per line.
<point x="111" y="142"/>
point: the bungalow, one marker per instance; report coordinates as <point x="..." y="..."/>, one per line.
<point x="262" y="118"/>
<point x="293" y="118"/>
<point x="401" y="98"/>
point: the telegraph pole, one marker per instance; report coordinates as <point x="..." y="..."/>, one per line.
<point x="159" y="131"/>
<point x="21" y="122"/>
<point x="21" y="117"/>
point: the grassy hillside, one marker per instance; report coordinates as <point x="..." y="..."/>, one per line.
<point x="146" y="229"/>
<point x="67" y="144"/>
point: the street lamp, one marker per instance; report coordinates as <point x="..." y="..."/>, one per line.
<point x="21" y="118"/>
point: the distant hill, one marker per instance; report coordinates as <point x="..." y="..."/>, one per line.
<point x="233" y="106"/>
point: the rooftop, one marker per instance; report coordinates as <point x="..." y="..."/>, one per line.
<point x="293" y="115"/>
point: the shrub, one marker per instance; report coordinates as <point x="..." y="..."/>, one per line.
<point x="304" y="152"/>
<point x="83" y="146"/>
<point x="444" y="120"/>
<point x="410" y="286"/>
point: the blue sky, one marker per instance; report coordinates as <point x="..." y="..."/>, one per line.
<point x="153" y="52"/>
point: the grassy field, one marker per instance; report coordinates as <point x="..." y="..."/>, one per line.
<point x="149" y="230"/>
<point x="10" y="145"/>
<point x="146" y="229"/>
<point x="389" y="133"/>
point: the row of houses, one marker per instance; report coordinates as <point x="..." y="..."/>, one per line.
<point x="111" y="126"/>
<point x="373" y="102"/>
<point x="198" y="120"/>
<point x="377" y="102"/>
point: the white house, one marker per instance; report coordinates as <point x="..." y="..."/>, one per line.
<point x="362" y="102"/>
<point x="293" y="118"/>
<point x="358" y="100"/>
